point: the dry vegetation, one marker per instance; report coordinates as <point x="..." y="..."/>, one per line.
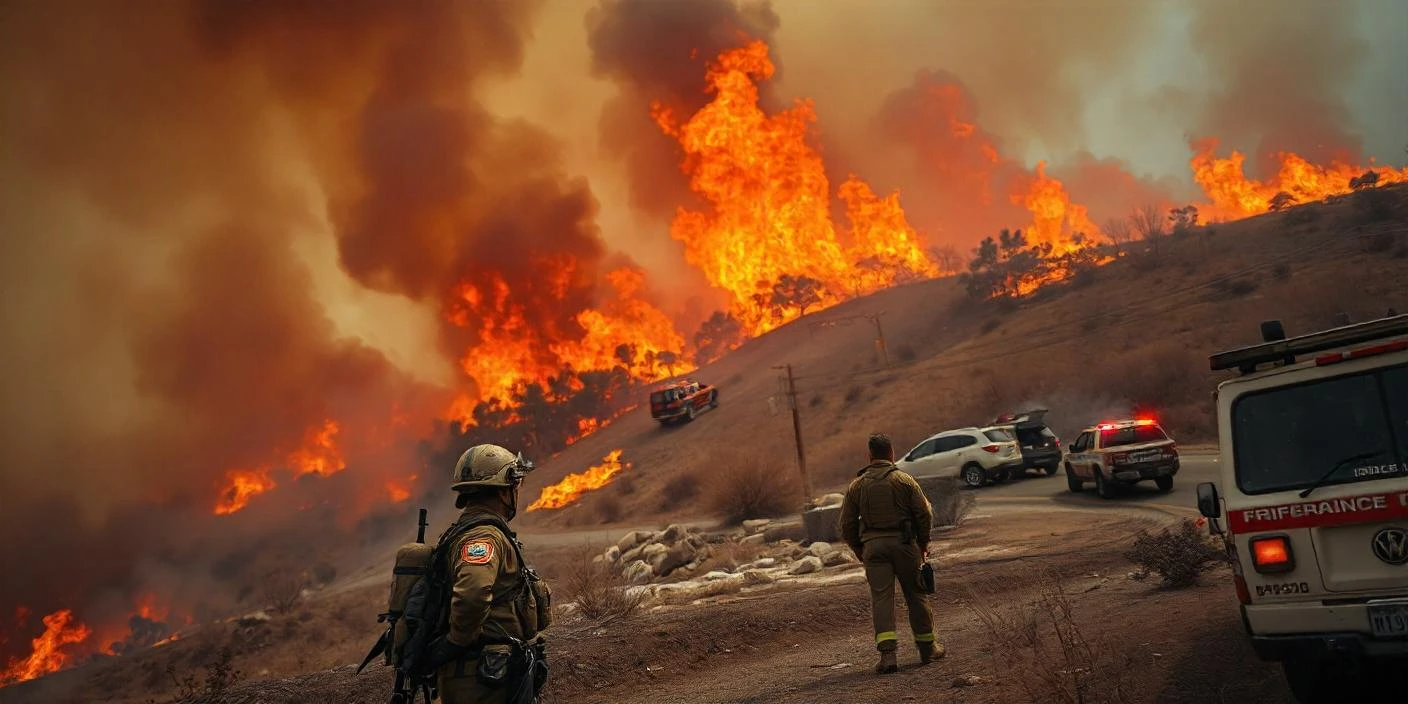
<point x="597" y="590"/>
<point x="746" y="486"/>
<point x="1178" y="554"/>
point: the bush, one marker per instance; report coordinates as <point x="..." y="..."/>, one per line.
<point x="747" y="487"/>
<point x="608" y="509"/>
<point x="1229" y="289"/>
<point x="1281" y="271"/>
<point x="324" y="572"/>
<point x="599" y="590"/>
<point x="282" y="591"/>
<point x="1177" y="554"/>
<point x="949" y="500"/>
<point x="680" y="488"/>
<point x="220" y="676"/>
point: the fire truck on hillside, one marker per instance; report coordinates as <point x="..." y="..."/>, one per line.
<point x="680" y="401"/>
<point x="1312" y="503"/>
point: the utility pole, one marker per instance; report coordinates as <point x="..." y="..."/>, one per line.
<point x="791" y="393"/>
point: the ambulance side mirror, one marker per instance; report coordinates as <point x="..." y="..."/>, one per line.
<point x="1207" y="500"/>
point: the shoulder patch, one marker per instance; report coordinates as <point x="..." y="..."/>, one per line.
<point x="477" y="552"/>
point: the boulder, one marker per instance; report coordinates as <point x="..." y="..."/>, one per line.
<point x="756" y="525"/>
<point x="676" y="556"/>
<point x="673" y="534"/>
<point x="787" y="531"/>
<point x="754" y="539"/>
<point x="651" y="550"/>
<point x="715" y="575"/>
<point x="832" y="499"/>
<point x="612" y="554"/>
<point x="633" y="554"/>
<point x="836" y="557"/>
<point x="637" y="572"/>
<point x="631" y="540"/>
<point x="764" y="563"/>
<point x="758" y="577"/>
<point x="806" y="565"/>
<point x="820" y="549"/>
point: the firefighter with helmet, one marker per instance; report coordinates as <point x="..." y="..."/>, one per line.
<point x="491" y="650"/>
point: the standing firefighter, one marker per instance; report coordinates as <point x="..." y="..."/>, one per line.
<point x="466" y="616"/>
<point x="885" y="518"/>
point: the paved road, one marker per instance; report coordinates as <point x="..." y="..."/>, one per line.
<point x="1194" y="468"/>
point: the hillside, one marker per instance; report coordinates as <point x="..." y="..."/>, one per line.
<point x="1134" y="333"/>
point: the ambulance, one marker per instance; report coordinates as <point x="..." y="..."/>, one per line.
<point x="1312" y="503"/>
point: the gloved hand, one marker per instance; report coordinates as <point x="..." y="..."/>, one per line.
<point x="443" y="651"/>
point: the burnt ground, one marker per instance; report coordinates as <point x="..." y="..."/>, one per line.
<point x="1129" y="639"/>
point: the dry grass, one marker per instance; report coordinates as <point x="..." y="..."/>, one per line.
<point x="282" y="591"/>
<point x="679" y="490"/>
<point x="1041" y="646"/>
<point x="1178" y="554"/>
<point x="598" y="590"/>
<point x="747" y="486"/>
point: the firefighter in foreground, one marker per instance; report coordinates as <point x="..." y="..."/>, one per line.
<point x="886" y="519"/>
<point x="490" y="650"/>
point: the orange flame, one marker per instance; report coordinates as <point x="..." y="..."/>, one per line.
<point x="574" y="485"/>
<point x="46" y="655"/>
<point x="1233" y="195"/>
<point x="770" y="203"/>
<point x="318" y="454"/>
<point x="399" y="491"/>
<point x="1055" y="219"/>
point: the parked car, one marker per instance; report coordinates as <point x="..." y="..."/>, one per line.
<point x="1039" y="445"/>
<point x="974" y="455"/>
<point x="680" y="401"/>
<point x="1122" y="452"/>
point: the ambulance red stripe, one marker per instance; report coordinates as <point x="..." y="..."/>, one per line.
<point x="1340" y="511"/>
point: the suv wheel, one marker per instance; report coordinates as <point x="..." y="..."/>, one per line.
<point x="1073" y="483"/>
<point x="973" y="475"/>
<point x="1051" y="469"/>
<point x="1164" y="483"/>
<point x="1105" y="489"/>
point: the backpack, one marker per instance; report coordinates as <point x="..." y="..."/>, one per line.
<point x="417" y="608"/>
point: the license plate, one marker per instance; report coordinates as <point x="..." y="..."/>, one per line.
<point x="1146" y="455"/>
<point x="1389" y="621"/>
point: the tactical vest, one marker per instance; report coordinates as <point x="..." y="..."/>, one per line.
<point x="879" y="501"/>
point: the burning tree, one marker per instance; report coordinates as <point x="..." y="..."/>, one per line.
<point x="717" y="335"/>
<point x="1184" y="219"/>
<point x="790" y="292"/>
<point x="1368" y="179"/>
<point x="1011" y="266"/>
<point x="1281" y="201"/>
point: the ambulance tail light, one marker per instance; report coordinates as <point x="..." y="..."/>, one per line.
<point x="1271" y="554"/>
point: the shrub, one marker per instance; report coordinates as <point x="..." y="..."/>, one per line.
<point x="599" y="590"/>
<point x="1281" y="271"/>
<point x="282" y="591"/>
<point x="949" y="500"/>
<point x="1228" y="289"/>
<point x="1177" y="554"/>
<point x="608" y="509"/>
<point x="220" y="677"/>
<point x="324" y="572"/>
<point x="680" y="488"/>
<point x="853" y="394"/>
<point x="747" y="487"/>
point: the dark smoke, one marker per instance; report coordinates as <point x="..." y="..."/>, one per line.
<point x="658" y="52"/>
<point x="163" y="325"/>
<point x="1279" y="75"/>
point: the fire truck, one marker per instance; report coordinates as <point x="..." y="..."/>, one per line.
<point x="680" y="401"/>
<point x="1312" y="503"/>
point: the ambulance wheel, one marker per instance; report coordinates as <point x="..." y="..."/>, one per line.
<point x="1105" y="489"/>
<point x="1164" y="483"/>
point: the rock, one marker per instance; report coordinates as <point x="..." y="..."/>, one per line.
<point x="967" y="681"/>
<point x="678" y="555"/>
<point x="637" y="572"/>
<point x="633" y="554"/>
<point x="754" y="539"/>
<point x="765" y="562"/>
<point x="756" y="525"/>
<point x="598" y="559"/>
<point x="780" y="531"/>
<point x="831" y="500"/>
<point x="673" y="534"/>
<point x="806" y="565"/>
<point x="612" y="554"/>
<point x="758" y="577"/>
<point x="631" y="540"/>
<point x="1138" y="575"/>
<point x="695" y="529"/>
<point x="820" y="549"/>
<point x="650" y="550"/>
<point x="820" y="523"/>
<point x="715" y="576"/>
<point x="836" y="557"/>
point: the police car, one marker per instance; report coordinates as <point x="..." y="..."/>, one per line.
<point x="1312" y="502"/>
<point x="1122" y="452"/>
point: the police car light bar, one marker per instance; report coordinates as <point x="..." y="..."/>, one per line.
<point x="1247" y="358"/>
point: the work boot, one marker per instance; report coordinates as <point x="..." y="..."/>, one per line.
<point x="887" y="663"/>
<point x="929" y="652"/>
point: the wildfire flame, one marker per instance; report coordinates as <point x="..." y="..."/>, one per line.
<point x="1234" y="196"/>
<point x="47" y="654"/>
<point x="399" y="491"/>
<point x="572" y="487"/>
<point x="770" y="202"/>
<point x="1055" y="219"/>
<point x="318" y="454"/>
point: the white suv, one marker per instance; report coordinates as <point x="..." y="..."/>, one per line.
<point x="975" y="455"/>
<point x="1312" y="503"/>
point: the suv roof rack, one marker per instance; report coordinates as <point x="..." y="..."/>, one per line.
<point x="1246" y="359"/>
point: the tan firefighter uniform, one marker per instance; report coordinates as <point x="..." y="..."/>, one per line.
<point x="489" y="596"/>
<point x="886" y="519"/>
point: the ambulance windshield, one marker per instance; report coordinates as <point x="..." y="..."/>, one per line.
<point x="1286" y="438"/>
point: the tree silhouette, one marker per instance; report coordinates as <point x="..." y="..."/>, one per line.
<point x="1281" y="201"/>
<point x="1368" y="179"/>
<point x="717" y="335"/>
<point x="1120" y="231"/>
<point x="1184" y="219"/>
<point x="800" y="292"/>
